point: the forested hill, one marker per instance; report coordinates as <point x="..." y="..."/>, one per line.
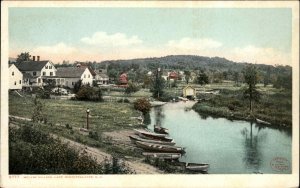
<point x="189" y="62"/>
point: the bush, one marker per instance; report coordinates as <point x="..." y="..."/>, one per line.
<point x="87" y="93"/>
<point x="94" y="135"/>
<point x="34" y="152"/>
<point x="142" y="105"/>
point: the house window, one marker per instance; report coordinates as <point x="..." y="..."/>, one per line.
<point x="51" y="73"/>
<point x="15" y="83"/>
<point x="20" y="81"/>
<point x="44" y="73"/>
<point x="88" y="76"/>
<point x="50" y="67"/>
<point x="13" y="73"/>
<point x="39" y="80"/>
<point x="84" y="76"/>
<point x="72" y="83"/>
<point x="46" y="67"/>
<point x="34" y="73"/>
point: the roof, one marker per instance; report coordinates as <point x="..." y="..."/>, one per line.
<point x="70" y="72"/>
<point x="27" y="75"/>
<point x="188" y="86"/>
<point x="102" y="75"/>
<point x="31" y="65"/>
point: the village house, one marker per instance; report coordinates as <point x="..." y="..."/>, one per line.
<point x="100" y="77"/>
<point x="123" y="80"/>
<point x="70" y="75"/>
<point x="15" y="77"/>
<point x="36" y="72"/>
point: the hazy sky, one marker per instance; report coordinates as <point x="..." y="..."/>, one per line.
<point x="251" y="35"/>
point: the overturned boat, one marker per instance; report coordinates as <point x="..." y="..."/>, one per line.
<point x="150" y="135"/>
<point x="162" y="155"/>
<point x="135" y="138"/>
<point x="159" y="147"/>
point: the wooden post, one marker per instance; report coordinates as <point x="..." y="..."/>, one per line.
<point x="87" y="118"/>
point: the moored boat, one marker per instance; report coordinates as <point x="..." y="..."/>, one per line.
<point x="262" y="122"/>
<point x="161" y="130"/>
<point x="203" y="167"/>
<point x="150" y="135"/>
<point x="134" y="138"/>
<point x="159" y="147"/>
<point x="162" y="155"/>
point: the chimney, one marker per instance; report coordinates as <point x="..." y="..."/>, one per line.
<point x="33" y="58"/>
<point x="38" y="58"/>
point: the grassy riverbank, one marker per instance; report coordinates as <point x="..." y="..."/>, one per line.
<point x="275" y="106"/>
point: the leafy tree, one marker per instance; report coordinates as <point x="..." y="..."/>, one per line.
<point x="77" y="86"/>
<point x="24" y="56"/>
<point x="187" y="76"/>
<point x="202" y="78"/>
<point x="251" y="79"/>
<point x="158" y="85"/>
<point x="142" y="105"/>
<point x="283" y="81"/>
<point x="131" y="88"/>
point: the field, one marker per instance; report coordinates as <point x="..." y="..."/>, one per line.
<point x="274" y="105"/>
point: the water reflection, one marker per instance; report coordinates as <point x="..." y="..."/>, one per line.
<point x="252" y="154"/>
<point x="228" y="146"/>
<point x="158" y="115"/>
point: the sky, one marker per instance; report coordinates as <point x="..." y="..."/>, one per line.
<point x="255" y="35"/>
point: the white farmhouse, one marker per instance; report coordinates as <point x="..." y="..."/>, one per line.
<point x="71" y="75"/>
<point x="37" y="71"/>
<point x="15" y="77"/>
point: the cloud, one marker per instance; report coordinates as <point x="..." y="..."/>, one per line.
<point x="259" y="55"/>
<point x="102" y="46"/>
<point x="114" y="40"/>
<point x="60" y="48"/>
<point x="193" y="44"/>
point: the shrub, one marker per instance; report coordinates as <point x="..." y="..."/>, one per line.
<point x="87" y="93"/>
<point x="142" y="105"/>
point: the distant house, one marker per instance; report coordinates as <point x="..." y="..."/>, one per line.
<point x="70" y="75"/>
<point x="173" y="75"/>
<point x="189" y="92"/>
<point x="15" y="77"/>
<point x="123" y="79"/>
<point x="99" y="77"/>
<point x="39" y="71"/>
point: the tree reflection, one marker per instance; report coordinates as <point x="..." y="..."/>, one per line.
<point x="158" y="115"/>
<point x="147" y="119"/>
<point x="252" y="152"/>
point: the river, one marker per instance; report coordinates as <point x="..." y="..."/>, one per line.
<point x="230" y="147"/>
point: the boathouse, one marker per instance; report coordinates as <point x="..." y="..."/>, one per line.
<point x="189" y="92"/>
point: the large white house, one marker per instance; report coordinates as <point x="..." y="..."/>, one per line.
<point x="36" y="71"/>
<point x="70" y="75"/>
<point x="15" y="77"/>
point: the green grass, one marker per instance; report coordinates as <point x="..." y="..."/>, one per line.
<point x="104" y="116"/>
<point x="275" y="106"/>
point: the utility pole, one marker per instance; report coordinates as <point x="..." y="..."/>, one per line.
<point x="87" y="118"/>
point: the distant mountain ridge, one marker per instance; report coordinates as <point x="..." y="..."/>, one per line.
<point x="190" y="62"/>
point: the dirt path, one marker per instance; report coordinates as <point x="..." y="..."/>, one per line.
<point x="119" y="138"/>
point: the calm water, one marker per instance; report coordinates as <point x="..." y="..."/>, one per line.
<point x="228" y="146"/>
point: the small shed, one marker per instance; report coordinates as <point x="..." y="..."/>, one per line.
<point x="189" y="92"/>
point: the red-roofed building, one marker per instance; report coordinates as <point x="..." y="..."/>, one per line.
<point x="123" y="79"/>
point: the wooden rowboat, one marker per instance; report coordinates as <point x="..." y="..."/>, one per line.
<point x="203" y="167"/>
<point x="162" y="155"/>
<point x="161" y="130"/>
<point x="150" y="135"/>
<point x="134" y="138"/>
<point x="159" y="147"/>
<point x="262" y="122"/>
